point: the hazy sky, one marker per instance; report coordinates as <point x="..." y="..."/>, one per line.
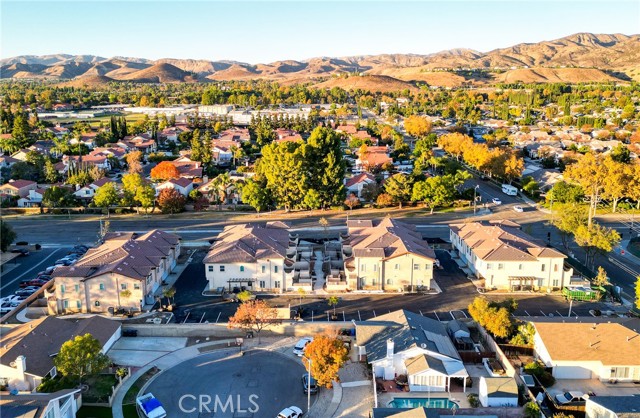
<point x="265" y="31"/>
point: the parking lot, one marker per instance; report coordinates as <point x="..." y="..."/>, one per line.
<point x="457" y="293"/>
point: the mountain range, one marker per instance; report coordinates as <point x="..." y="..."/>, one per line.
<point x="582" y="57"/>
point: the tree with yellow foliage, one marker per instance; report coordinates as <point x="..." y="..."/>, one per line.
<point x="455" y="143"/>
<point x="327" y="354"/>
<point x="417" y="126"/>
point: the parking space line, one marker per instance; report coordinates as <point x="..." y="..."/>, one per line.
<point x="344" y="318"/>
<point x="437" y="317"/>
<point x="559" y="313"/>
<point x="421" y="313"/>
<point x="219" y="313"/>
<point x="359" y="317"/>
<point x="527" y="313"/>
<point x="30" y="270"/>
<point x="374" y="313"/>
<point x="543" y="314"/>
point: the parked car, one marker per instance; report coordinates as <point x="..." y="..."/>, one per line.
<point x="28" y="291"/>
<point x="150" y="406"/>
<point x="49" y="270"/>
<point x="6" y="307"/>
<point x="23" y="252"/>
<point x="298" y="350"/>
<point x="568" y="397"/>
<point x="496" y="201"/>
<point x="518" y="208"/>
<point x="34" y="282"/>
<point x="313" y="387"/>
<point x="290" y="412"/>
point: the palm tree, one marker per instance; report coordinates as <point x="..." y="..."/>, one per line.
<point x="221" y="183"/>
<point x="169" y="292"/>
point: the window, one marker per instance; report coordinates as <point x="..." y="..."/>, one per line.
<point x="363" y="267"/>
<point x="374" y="281"/>
<point x="555" y="267"/>
<point x="397" y="267"/>
<point x="427" y="266"/>
<point x="520" y="267"/>
<point x="277" y="284"/>
<point x="221" y="268"/>
<point x="275" y="269"/>
<point x="620" y="372"/>
<point x="375" y="267"/>
<point x="389" y="281"/>
<point x="62" y="288"/>
<point x="500" y="266"/>
<point x="489" y="265"/>
<point x="543" y="267"/>
<point x="211" y="269"/>
<point x="65" y="304"/>
<point x="556" y="282"/>
<point x="416" y="266"/>
<point x="261" y="283"/>
<point x="96" y="303"/>
<point x="101" y="286"/>
<point x="241" y="268"/>
<point x="123" y="286"/>
<point x="78" y="304"/>
<point x="136" y="286"/>
<point x="264" y="268"/>
<point x="76" y="288"/>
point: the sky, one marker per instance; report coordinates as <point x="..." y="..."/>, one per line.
<point x="266" y="31"/>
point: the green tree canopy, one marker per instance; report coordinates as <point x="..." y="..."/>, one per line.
<point x="81" y="357"/>
<point x="7" y="235"/>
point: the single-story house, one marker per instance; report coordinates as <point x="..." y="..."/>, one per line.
<point x="613" y="406"/>
<point x="406" y="343"/>
<point x="498" y="392"/>
<point x="28" y="349"/>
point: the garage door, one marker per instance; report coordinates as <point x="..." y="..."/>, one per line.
<point x="571" y="372"/>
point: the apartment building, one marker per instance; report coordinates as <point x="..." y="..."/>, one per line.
<point x="124" y="272"/>
<point x="507" y="258"/>
<point x="386" y="255"/>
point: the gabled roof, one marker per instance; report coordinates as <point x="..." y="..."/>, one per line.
<point x="30" y="405"/>
<point x="128" y="254"/>
<point x="40" y="339"/>
<point x="182" y="182"/>
<point x="423" y="363"/>
<point x="248" y="243"/>
<point x="360" y="178"/>
<point x="389" y="238"/>
<point x="501" y="387"/>
<point x="19" y="184"/>
<point x="407" y="330"/>
<point x="502" y="241"/>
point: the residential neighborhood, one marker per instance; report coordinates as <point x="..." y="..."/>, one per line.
<point x="223" y="213"/>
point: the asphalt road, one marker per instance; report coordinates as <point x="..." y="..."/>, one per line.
<point x="28" y="267"/>
<point x="273" y="382"/>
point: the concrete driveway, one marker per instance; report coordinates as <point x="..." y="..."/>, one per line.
<point x="139" y="351"/>
<point x="258" y="384"/>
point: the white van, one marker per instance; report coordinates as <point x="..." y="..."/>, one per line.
<point x="509" y="190"/>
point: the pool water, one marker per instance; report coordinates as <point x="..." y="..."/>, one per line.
<point x="443" y="403"/>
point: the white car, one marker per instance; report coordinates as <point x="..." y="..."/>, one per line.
<point x="518" y="208"/>
<point x="496" y="201"/>
<point x="290" y="412"/>
<point x="568" y="397"/>
<point x="298" y="350"/>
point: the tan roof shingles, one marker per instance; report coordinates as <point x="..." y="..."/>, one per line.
<point x="613" y="344"/>
<point x="248" y="243"/>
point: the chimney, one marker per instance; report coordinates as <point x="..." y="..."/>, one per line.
<point x="21" y="365"/>
<point x="390" y="347"/>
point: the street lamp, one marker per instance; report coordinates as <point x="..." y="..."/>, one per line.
<point x="308" y="383"/>
<point x="475" y="200"/>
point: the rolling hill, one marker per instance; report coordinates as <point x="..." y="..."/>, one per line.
<point x="582" y="57"/>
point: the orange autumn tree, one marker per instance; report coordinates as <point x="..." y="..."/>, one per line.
<point x="327" y="354"/>
<point x="165" y="171"/>
<point x="254" y="315"/>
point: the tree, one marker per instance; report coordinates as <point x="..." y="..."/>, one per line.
<point x="326" y="355"/>
<point x="384" y="200"/>
<point x="7" y="235"/>
<point x="455" y="143"/>
<point x="601" y="278"/>
<point x="333" y="302"/>
<point x="325" y="166"/>
<point x="417" y="126"/>
<point x="130" y="184"/>
<point x="50" y="172"/>
<point x="164" y="171"/>
<point x="254" y="193"/>
<point x="57" y="197"/>
<point x="255" y="315"/>
<point x="637" y="303"/>
<point x="531" y="410"/>
<point x="171" y="201"/>
<point x="589" y="173"/>
<point x="595" y="239"/>
<point x="81" y="357"/>
<point x="525" y="335"/>
<point x="133" y="160"/>
<point x="567" y="218"/>
<point x="370" y="192"/>
<point x="621" y="154"/>
<point x="244" y="296"/>
<point x="399" y="188"/>
<point x="282" y="167"/>
<point x="106" y="196"/>
<point x="563" y="192"/>
<point x="169" y="293"/>
<point x="146" y="196"/>
<point x="125" y="294"/>
<point x="352" y="201"/>
<point x="196" y="146"/>
<point x="495" y="318"/>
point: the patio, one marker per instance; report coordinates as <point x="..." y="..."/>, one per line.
<point x="595" y="386"/>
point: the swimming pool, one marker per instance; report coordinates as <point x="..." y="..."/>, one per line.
<point x="443" y="403"/>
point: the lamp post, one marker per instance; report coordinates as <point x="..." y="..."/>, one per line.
<point x="308" y="383"/>
<point x="475" y="200"/>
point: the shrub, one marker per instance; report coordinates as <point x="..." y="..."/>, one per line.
<point x="544" y="377"/>
<point x="473" y="399"/>
<point x="531" y="410"/>
<point x="22" y="243"/>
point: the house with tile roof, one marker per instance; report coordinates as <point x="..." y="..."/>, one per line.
<point x="187" y="168"/>
<point x="249" y="255"/>
<point x="592" y="349"/>
<point x="87" y="192"/>
<point x="375" y="156"/>
<point x="182" y="185"/>
<point x="17" y="188"/>
<point x="33" y="199"/>
<point x="28" y="349"/>
<point x="386" y="255"/>
<point x="356" y="183"/>
<point x="222" y="150"/>
<point x="235" y="134"/>
<point x="505" y="257"/>
<point x="406" y="343"/>
<point x="61" y="404"/>
<point x="126" y="261"/>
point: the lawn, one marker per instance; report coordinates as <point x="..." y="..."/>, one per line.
<point x="99" y="388"/>
<point x="132" y="393"/>
<point x="129" y="411"/>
